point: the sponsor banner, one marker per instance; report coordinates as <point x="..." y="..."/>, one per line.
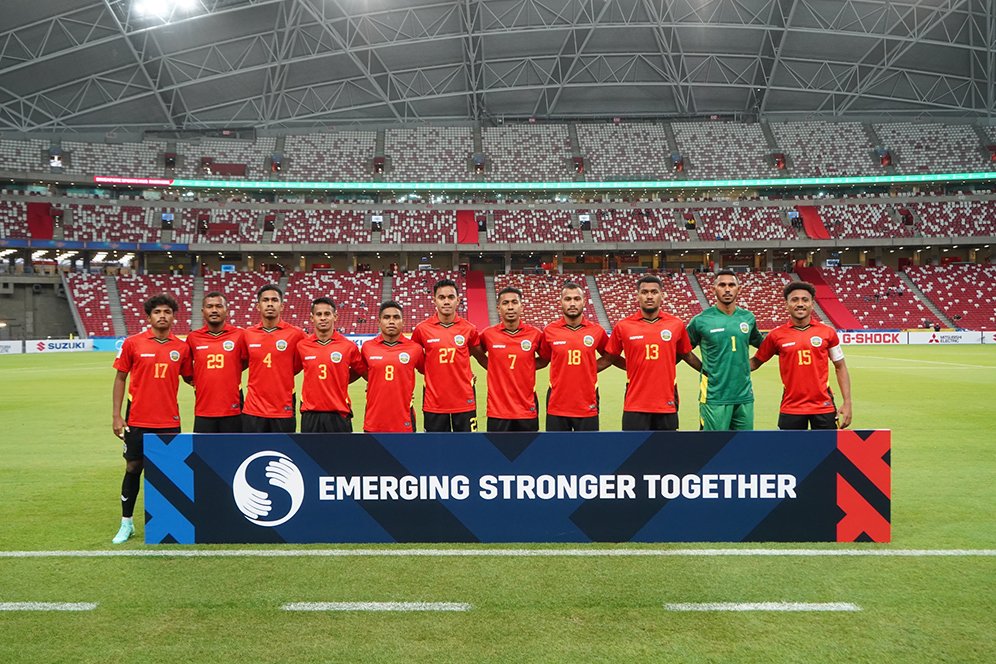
<point x="57" y="345"/>
<point x="989" y="337"/>
<point x="945" y="337"/>
<point x="106" y="344"/>
<point x="11" y="347"/>
<point x="358" y="339"/>
<point x="787" y="486"/>
<point x="872" y="338"/>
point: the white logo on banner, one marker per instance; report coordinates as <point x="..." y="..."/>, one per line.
<point x="256" y="504"/>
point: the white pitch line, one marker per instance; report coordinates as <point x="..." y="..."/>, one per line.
<point x="48" y="606"/>
<point x="375" y="606"/>
<point x="502" y="553"/>
<point x="910" y="359"/>
<point x="764" y="606"/>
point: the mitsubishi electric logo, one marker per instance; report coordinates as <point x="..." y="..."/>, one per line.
<point x="278" y="471"/>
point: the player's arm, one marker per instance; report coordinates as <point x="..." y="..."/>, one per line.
<point x="117" y="399"/>
<point x="692" y="360"/>
<point x="844" y="382"/>
<point x="479" y="354"/>
<point x="609" y="359"/>
<point x="541" y="362"/>
<point x="763" y="354"/>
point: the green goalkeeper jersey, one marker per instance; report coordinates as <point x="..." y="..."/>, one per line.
<point x="724" y="340"/>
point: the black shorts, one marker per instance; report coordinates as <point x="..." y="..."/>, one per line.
<point x="632" y="421"/>
<point x="254" y="424"/>
<point x="134" y="447"/>
<point x="439" y="422"/>
<point x="325" y="421"/>
<point x="560" y="423"/>
<point x="498" y="425"/>
<point x="803" y="422"/>
<point x="227" y="424"/>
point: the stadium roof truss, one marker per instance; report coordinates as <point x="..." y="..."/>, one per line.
<point x="286" y="64"/>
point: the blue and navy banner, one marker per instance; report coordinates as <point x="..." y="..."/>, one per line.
<point x="545" y="487"/>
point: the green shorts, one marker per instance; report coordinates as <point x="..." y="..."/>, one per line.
<point x="726" y="416"/>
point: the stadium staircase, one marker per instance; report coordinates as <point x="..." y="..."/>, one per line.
<point x="812" y="222"/>
<point x="696" y="287"/>
<point x="826" y="298"/>
<point x="387" y="291"/>
<point x="114" y="303"/>
<point x="489" y="286"/>
<point x="596" y="301"/>
<point x="920" y="295"/>
<point x="77" y="320"/>
<point x="477" y="299"/>
<point x="197" y="301"/>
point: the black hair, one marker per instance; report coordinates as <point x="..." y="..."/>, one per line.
<point x="322" y="300"/>
<point x="509" y="289"/>
<point x="215" y="293"/>
<point x="650" y="279"/>
<point x="269" y="287"/>
<point x="799" y="285"/>
<point x="443" y="283"/>
<point x="726" y="272"/>
<point x="390" y="304"/>
<point x="158" y="301"/>
<point x="571" y="285"/>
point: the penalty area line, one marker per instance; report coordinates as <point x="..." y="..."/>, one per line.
<point x="376" y="606"/>
<point x="48" y="606"/>
<point x="764" y="606"/>
<point x="503" y="553"/>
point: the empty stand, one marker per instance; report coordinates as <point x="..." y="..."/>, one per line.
<point x="625" y="151"/>
<point x="252" y="154"/>
<point x="519" y="153"/>
<point x="876" y="296"/>
<point x="523" y="226"/>
<point x="862" y="221"/>
<point x="429" y="154"/>
<point x="955" y="218"/>
<point x="13" y="219"/>
<point x="932" y="148"/>
<point x="342" y="156"/>
<point x="240" y="290"/>
<point x="89" y="292"/>
<point x="28" y="156"/>
<point x="111" y="223"/>
<point x="825" y="149"/>
<point x="357" y="297"/>
<point x="760" y="293"/>
<point x="323" y="227"/>
<point x="963" y="292"/>
<point x="135" y="159"/>
<point x="723" y="149"/>
<point x="541" y="296"/>
<point x="637" y="225"/>
<point x="421" y="227"/>
<point x="618" y="293"/>
<point x="136" y="289"/>
<point x="743" y="224"/>
<point x="413" y="291"/>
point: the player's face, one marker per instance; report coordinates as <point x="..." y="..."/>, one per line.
<point x="572" y="303"/>
<point x="323" y="318"/>
<point x="215" y="310"/>
<point x="800" y="305"/>
<point x="510" y="308"/>
<point x="391" y="323"/>
<point x="727" y="289"/>
<point x="270" y="305"/>
<point x="161" y="318"/>
<point x="650" y="298"/>
<point x="446" y="300"/>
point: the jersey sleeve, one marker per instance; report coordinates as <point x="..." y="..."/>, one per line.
<point x="420" y="362"/>
<point x="694" y="336"/>
<point x="123" y="361"/>
<point x="186" y="362"/>
<point x="474" y="338"/>
<point x="684" y="345"/>
<point x="417" y="336"/>
<point x="614" y="344"/>
<point x="544" y="346"/>
<point x="767" y="350"/>
<point x="755" y="335"/>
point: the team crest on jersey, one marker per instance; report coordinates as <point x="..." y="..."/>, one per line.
<point x="336" y="357"/>
<point x="459" y="340"/>
<point x="816" y="341"/>
<point x="174" y="355"/>
<point x="526" y="345"/>
<point x="588" y="340"/>
<point x="281" y="344"/>
<point x="404" y="358"/>
<point x="228" y="345"/>
<point x="666" y="335"/>
<point x="745" y="328"/>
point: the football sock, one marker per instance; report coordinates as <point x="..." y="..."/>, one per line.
<point x="129" y="493"/>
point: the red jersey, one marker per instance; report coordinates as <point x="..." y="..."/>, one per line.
<point x="573" y="370"/>
<point x="449" y="381"/>
<point x="651" y="348"/>
<point x="326" y="366"/>
<point x="154" y="367"/>
<point x="512" y="371"/>
<point x="803" y="360"/>
<point x="272" y="365"/>
<point x="391" y="368"/>
<point x="219" y="359"/>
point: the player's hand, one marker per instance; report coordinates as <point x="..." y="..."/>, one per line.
<point x="119" y="426"/>
<point x="844" y="416"/>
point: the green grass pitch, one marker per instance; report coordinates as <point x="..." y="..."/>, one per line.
<point x="60" y="471"/>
